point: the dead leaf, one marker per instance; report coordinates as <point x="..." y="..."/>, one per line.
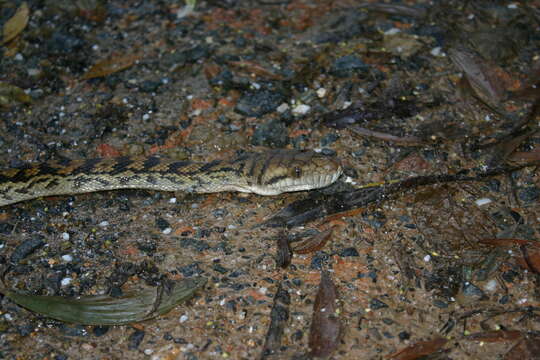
<point x="483" y="77"/>
<point x="16" y="24"/>
<point x="279" y="316"/>
<point x="110" y="66"/>
<point x="527" y="349"/>
<point x="495" y="336"/>
<point x="313" y="243"/>
<point x="9" y="94"/>
<point x="325" y="330"/>
<point x="284" y="253"/>
<point x="419" y="349"/>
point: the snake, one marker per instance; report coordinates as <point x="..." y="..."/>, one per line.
<point x="270" y="172"/>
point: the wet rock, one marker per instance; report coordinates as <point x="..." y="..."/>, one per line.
<point x="347" y="66"/>
<point x="319" y="259"/>
<point x="190" y="270"/>
<point x="26" y="248"/>
<point x="6" y="228"/>
<point x="61" y="43"/>
<point x="350" y="251"/>
<point x="272" y="134"/>
<point x="529" y="194"/>
<point x="376" y="304"/>
<point x="162" y="224"/>
<point x="135" y="339"/>
<point x="259" y="103"/>
<point x="100" y="330"/>
<point x="149" y="86"/>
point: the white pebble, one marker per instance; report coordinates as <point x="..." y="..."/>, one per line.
<point x="321" y="92"/>
<point x="427" y="258"/>
<point x="167" y="231"/>
<point x="146" y="117"/>
<point x="104" y="223"/>
<point x="437" y="51"/>
<point x="482" y="201"/>
<point x="67" y="258"/>
<point x="172" y="200"/>
<point x="184" y="318"/>
<point x="66" y="281"/>
<point x="301" y="109"/>
<point x="148" y="351"/>
<point x="65" y="236"/>
<point x="282" y="108"/>
<point x="491" y="285"/>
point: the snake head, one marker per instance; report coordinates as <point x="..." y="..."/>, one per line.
<point x="281" y="171"/>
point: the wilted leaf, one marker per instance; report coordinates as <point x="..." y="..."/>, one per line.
<point x="106" y="310"/>
<point x="110" y="66"/>
<point x="496" y="336"/>
<point x="284" y="253"/>
<point x="9" y="94"/>
<point x="527" y="349"/>
<point x="278" y="320"/>
<point x="419" y="349"/>
<point x="313" y="243"/>
<point x="16" y="24"/>
<point x="482" y="76"/>
<point x="325" y="328"/>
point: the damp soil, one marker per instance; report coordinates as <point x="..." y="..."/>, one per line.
<point x="393" y="89"/>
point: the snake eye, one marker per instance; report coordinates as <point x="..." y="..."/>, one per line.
<point x="297" y="172"/>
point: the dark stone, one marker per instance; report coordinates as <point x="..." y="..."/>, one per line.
<point x="440" y="304"/>
<point x="199" y="245"/>
<point x="26" y="248"/>
<point x="319" y="259"/>
<point x="61" y="43"/>
<point x="100" y="330"/>
<point x="376" y="304"/>
<point x="220" y="269"/>
<point x="259" y="102"/>
<point x="72" y="330"/>
<point x="350" y="251"/>
<point x="149" y="86"/>
<point x="404" y="336"/>
<point x="348" y="65"/>
<point x="509" y="276"/>
<point x="329" y="139"/>
<point x="472" y="291"/>
<point x="273" y="133"/>
<point x="190" y="270"/>
<point x="162" y="224"/>
<point x="135" y="339"/>
<point x="6" y="228"/>
<point x="529" y="194"/>
<point x="328" y="152"/>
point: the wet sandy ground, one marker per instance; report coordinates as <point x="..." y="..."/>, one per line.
<point x="242" y="76"/>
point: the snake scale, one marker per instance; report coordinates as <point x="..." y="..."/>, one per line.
<point x="267" y="173"/>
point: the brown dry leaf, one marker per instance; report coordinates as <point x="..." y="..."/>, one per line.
<point x="110" y="66"/>
<point x="419" y="349"/>
<point x="482" y="76"/>
<point x="527" y="349"/>
<point x="496" y="336"/>
<point x="11" y="94"/>
<point x="16" y="24"/>
<point x="325" y="330"/>
<point x="313" y="243"/>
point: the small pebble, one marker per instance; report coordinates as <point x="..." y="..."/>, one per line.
<point x="482" y="201"/>
<point x="172" y="200"/>
<point x="184" y="318"/>
<point x="67" y="258"/>
<point x="167" y="231"/>
<point x="65" y="236"/>
<point x="103" y="223"/>
<point x="66" y="281"/>
<point x="301" y="109"/>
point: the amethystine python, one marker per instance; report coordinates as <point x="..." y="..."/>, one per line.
<point x="268" y="173"/>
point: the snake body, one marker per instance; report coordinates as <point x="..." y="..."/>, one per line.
<point x="268" y="173"/>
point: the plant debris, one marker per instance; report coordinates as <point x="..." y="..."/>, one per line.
<point x="105" y="310"/>
<point x="325" y="331"/>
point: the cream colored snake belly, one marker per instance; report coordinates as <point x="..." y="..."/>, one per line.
<point x="268" y="173"/>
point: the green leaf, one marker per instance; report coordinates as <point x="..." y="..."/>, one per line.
<point x="106" y="310"/>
